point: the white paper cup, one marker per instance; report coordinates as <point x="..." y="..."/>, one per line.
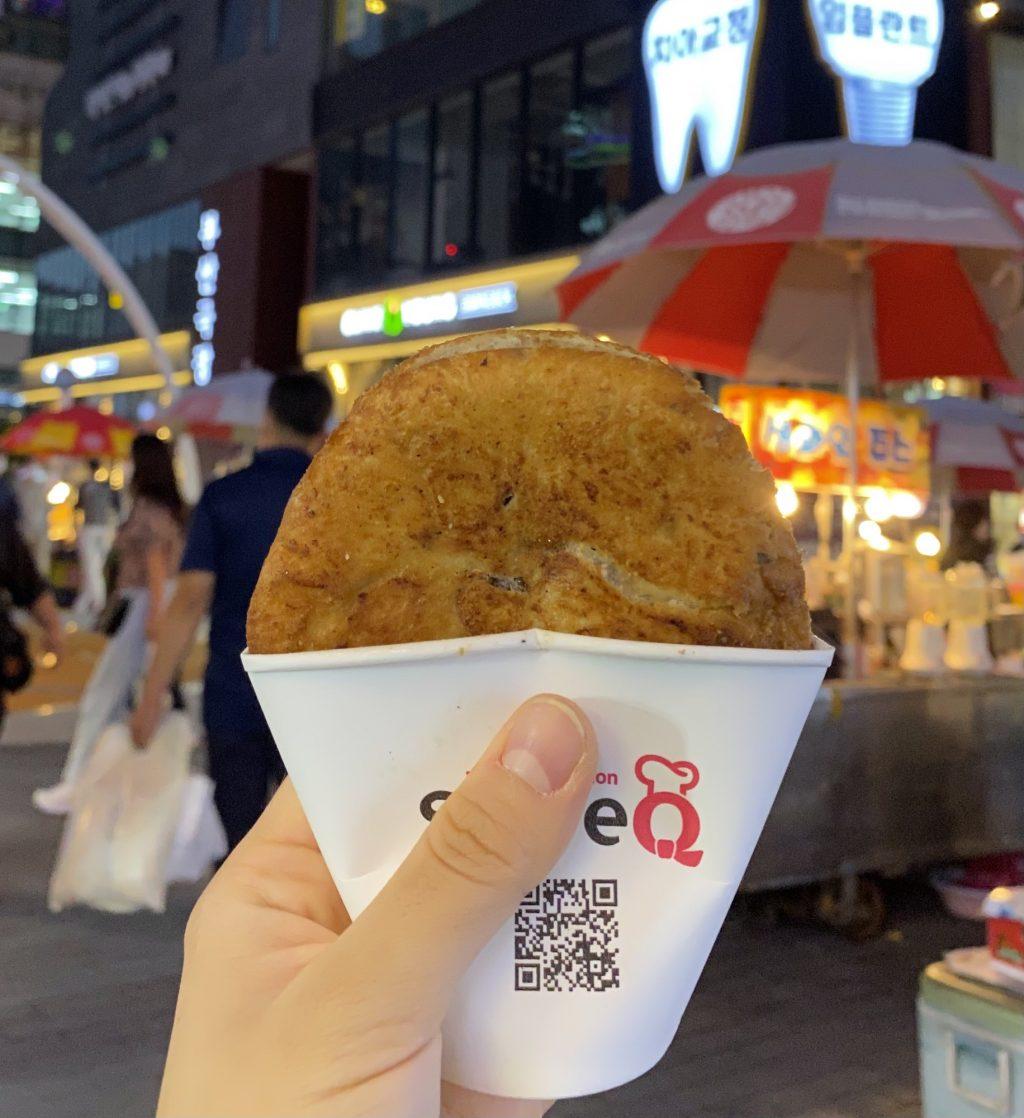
<point x="584" y="989"/>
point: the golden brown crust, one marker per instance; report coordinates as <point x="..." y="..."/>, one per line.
<point x="523" y="479"/>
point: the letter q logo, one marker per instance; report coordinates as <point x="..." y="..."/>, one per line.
<point x="673" y="780"/>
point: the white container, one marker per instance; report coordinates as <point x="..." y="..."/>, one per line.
<point x="967" y="648"/>
<point x="924" y="648"/>
<point x="697" y="739"/>
<point x="965" y="901"/>
<point x="967" y="593"/>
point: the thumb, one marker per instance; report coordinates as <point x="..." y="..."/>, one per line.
<point x="493" y="839"/>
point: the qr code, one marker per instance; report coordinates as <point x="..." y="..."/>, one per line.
<point x="567" y="936"/>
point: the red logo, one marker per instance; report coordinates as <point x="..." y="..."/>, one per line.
<point x="667" y="784"/>
<point x="652" y="770"/>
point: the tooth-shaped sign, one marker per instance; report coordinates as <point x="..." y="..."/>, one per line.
<point x="881" y="52"/>
<point x="697" y="54"/>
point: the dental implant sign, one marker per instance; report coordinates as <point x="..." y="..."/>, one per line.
<point x="699" y="59"/>
<point x="881" y="53"/>
<point x="697" y="55"/>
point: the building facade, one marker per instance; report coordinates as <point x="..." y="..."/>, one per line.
<point x="180" y="132"/>
<point x="32" y="47"/>
<point x="412" y="169"/>
<point x="466" y="151"/>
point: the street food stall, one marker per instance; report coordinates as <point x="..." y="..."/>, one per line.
<point x="806" y="439"/>
<point x="906" y="767"/>
<point x="840" y="264"/>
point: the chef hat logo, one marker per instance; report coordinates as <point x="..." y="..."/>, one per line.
<point x="667" y="783"/>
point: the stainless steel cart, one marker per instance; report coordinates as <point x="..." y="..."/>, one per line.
<point x="895" y="773"/>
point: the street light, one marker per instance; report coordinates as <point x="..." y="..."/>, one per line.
<point x="927" y="544"/>
<point x="787" y="499"/>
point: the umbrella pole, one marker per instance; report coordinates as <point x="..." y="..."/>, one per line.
<point x="851" y="634"/>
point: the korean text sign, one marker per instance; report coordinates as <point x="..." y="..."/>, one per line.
<point x="804" y="437"/>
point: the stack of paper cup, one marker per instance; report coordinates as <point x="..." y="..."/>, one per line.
<point x="967" y="647"/>
<point x="924" y="647"/>
<point x="584" y="988"/>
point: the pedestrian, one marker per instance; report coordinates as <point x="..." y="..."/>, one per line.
<point x="148" y="550"/>
<point x="288" y="1007"/>
<point x="32" y="484"/>
<point x="10" y="510"/>
<point x="21" y="585"/>
<point x="232" y="529"/>
<point x="95" y="538"/>
<point x="970" y="539"/>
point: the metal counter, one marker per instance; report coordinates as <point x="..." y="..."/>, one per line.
<point x="896" y="773"/>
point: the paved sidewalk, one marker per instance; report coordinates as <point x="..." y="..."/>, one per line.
<point x="786" y="1023"/>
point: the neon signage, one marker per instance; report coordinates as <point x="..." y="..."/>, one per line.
<point x="393" y="316"/>
<point x="205" y="318"/>
<point x="86" y="367"/>
<point x="806" y="437"/>
<point x="698" y="56"/>
<point x="881" y="53"/>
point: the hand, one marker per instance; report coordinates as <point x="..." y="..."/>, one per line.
<point x="286" y="1007"/>
<point x="145" y="719"/>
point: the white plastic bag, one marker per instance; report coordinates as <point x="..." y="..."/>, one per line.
<point x="126" y="810"/>
<point x="199" y="840"/>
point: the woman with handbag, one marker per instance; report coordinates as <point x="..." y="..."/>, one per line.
<point x="22" y="585"/>
<point x="148" y="550"/>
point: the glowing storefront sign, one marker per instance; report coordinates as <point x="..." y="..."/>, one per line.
<point x="393" y="316"/>
<point x="87" y="367"/>
<point x="881" y="52"/>
<point x="698" y="57"/>
<point x="804" y="437"/>
<point x="205" y="318"/>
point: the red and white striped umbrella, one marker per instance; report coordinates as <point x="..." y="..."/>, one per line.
<point x="771" y="272"/>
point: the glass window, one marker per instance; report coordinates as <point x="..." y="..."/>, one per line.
<point x="366" y="27"/>
<point x="547" y="199"/>
<point x="159" y="253"/>
<point x="1007" y="70"/>
<point x="373" y="200"/>
<point x="599" y="133"/>
<point x="337" y="215"/>
<point x="17" y="297"/>
<point x="233" y="18"/>
<point x="498" y="184"/>
<point x="453" y="168"/>
<point x="17" y="211"/>
<point x="409" y="209"/>
<point x="272" y="27"/>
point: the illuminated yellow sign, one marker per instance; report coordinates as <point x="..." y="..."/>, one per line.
<point x="805" y="437"/>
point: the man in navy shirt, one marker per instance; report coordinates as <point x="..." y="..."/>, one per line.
<point x="231" y="531"/>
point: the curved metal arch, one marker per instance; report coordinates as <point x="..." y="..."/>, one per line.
<point x="75" y="231"/>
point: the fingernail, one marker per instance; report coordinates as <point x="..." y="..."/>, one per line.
<point x="544" y="744"/>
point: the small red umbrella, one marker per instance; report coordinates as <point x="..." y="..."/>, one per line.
<point x="75" y="432"/>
